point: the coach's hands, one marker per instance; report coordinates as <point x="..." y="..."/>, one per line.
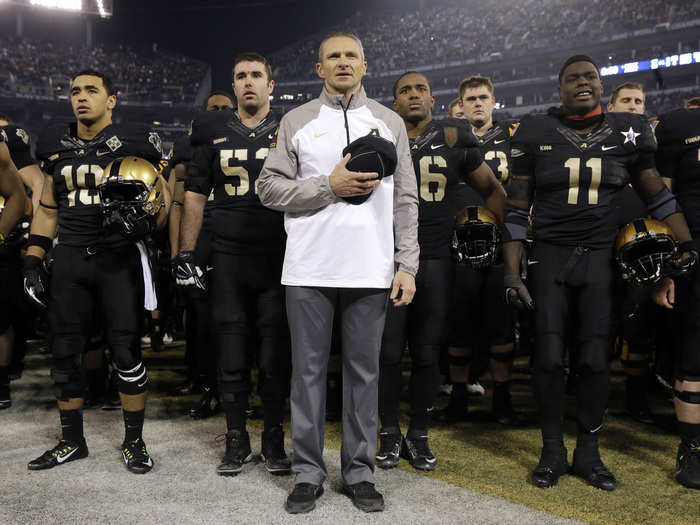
<point x="346" y="183"/>
<point x="517" y="293"/>
<point x="664" y="293"/>
<point x="403" y="289"/>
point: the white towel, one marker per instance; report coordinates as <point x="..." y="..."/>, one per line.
<point x="150" y="301"/>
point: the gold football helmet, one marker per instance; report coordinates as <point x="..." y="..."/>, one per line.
<point x="476" y="237"/>
<point x="132" y="181"/>
<point x="646" y="251"/>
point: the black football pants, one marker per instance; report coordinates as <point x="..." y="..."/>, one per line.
<point x="572" y="290"/>
<point x="423" y="324"/>
<point x="246" y="293"/>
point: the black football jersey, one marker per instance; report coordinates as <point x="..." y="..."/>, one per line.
<point x="578" y="179"/>
<point x="439" y="168"/>
<point x="678" y="158"/>
<point x="495" y="147"/>
<point x="19" y="144"/>
<point x="226" y="162"/>
<point x="77" y="166"/>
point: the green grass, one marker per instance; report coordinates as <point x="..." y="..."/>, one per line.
<point x="483" y="456"/>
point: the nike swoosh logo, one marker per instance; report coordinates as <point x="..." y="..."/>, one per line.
<point x="141" y="384"/>
<point x="317" y="135"/>
<point x="434" y="146"/>
<point x="63" y="458"/>
<point x="270" y="137"/>
<point x="529" y="263"/>
<point x="499" y="141"/>
<point x="606" y="148"/>
<point x="100" y="153"/>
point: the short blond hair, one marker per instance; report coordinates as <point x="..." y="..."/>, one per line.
<point x="626" y="85"/>
<point x="345" y="34"/>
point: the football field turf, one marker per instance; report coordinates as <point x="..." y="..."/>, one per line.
<point x="480" y="456"/>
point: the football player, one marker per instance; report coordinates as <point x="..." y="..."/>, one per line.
<point x="229" y="149"/>
<point x="678" y="133"/>
<point x="200" y="355"/>
<point x="570" y="165"/>
<point x="18" y="142"/>
<point x="443" y="153"/>
<point x="97" y="270"/>
<point x="640" y="316"/>
<point x="456" y="109"/>
<point x="14" y="206"/>
<point x="479" y="311"/>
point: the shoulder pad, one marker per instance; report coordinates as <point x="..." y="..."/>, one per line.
<point x="205" y="126"/>
<point x="182" y="150"/>
<point x="529" y="128"/>
<point x="49" y="143"/>
<point x="139" y="140"/>
<point x="677" y="125"/>
<point x="458" y="133"/>
<point x="17" y="138"/>
<point x="632" y="128"/>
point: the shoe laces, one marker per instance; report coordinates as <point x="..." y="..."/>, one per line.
<point x="420" y="445"/>
<point x="136" y="450"/>
<point x="62" y="447"/>
<point x="388" y="441"/>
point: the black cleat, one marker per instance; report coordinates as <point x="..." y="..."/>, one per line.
<point x="237" y="453"/>
<point x="592" y="470"/>
<point x="688" y="464"/>
<point x="640" y="412"/>
<point x="207" y="406"/>
<point x="5" y="398"/>
<point x="365" y="497"/>
<point x="273" y="454"/>
<point x="63" y="452"/>
<point x="390" y="442"/>
<point x="416" y="450"/>
<point x="136" y="456"/>
<point x="553" y="464"/>
<point x="503" y="411"/>
<point x="303" y="498"/>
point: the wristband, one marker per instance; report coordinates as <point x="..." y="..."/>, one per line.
<point x="42" y="241"/>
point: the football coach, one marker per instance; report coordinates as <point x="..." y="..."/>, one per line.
<point x="351" y="243"/>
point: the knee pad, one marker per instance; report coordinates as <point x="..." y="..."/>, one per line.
<point x="549" y="354"/>
<point x="593" y="357"/>
<point x="133" y="381"/>
<point x="68" y="378"/>
<point x="390" y="353"/>
<point x="425" y="356"/>
<point x="234" y="382"/>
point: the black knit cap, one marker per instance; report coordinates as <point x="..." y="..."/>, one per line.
<point x="577" y="58"/>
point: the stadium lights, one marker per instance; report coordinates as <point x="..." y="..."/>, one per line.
<point x="69" y="5"/>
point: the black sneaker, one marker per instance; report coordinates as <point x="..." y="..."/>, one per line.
<point x="553" y="464"/>
<point x="136" y="456"/>
<point x="688" y="464"/>
<point x="365" y="497"/>
<point x="589" y="466"/>
<point x="273" y="454"/>
<point x="639" y="411"/>
<point x="207" y="406"/>
<point x="237" y="453"/>
<point x="416" y="450"/>
<point x="63" y="452"/>
<point x="390" y="441"/>
<point x="5" y="398"/>
<point x="303" y="498"/>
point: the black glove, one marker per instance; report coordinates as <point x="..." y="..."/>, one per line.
<point x="36" y="279"/>
<point x="687" y="256"/>
<point x="130" y="221"/>
<point x="186" y="272"/>
<point x="521" y="299"/>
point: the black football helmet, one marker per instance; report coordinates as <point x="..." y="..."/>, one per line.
<point x="646" y="251"/>
<point x="476" y="237"/>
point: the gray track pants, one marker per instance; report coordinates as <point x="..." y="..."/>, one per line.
<point x="310" y="313"/>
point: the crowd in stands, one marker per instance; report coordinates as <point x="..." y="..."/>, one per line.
<point x="459" y="30"/>
<point x="43" y="68"/>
